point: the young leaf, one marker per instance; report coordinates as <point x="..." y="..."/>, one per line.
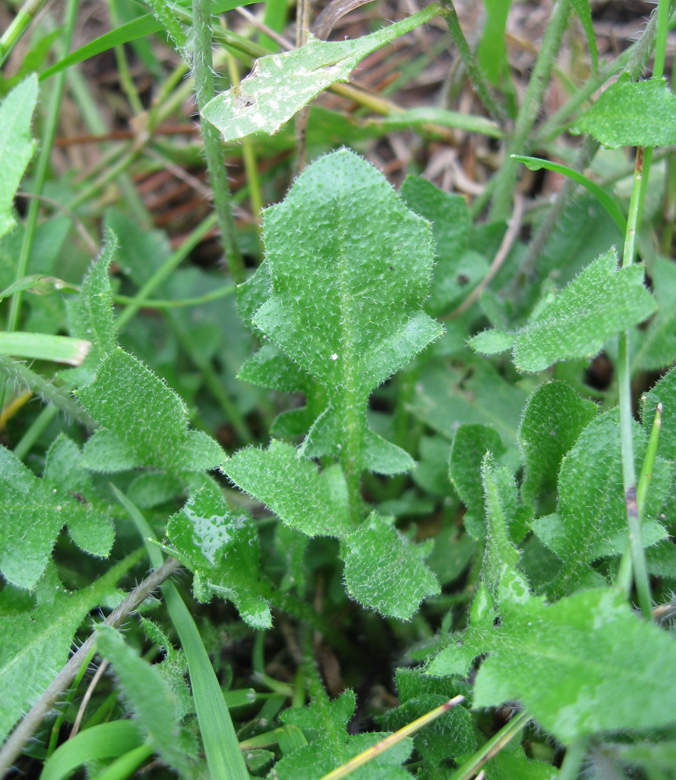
<point x="470" y="444"/>
<point x="281" y="84"/>
<point x="590" y="522"/>
<point x="632" y="113"/>
<point x="304" y="499"/>
<point x="33" y="511"/>
<point x="602" y="301"/>
<point x="144" y="422"/>
<point x="221" y="549"/>
<point x="347" y="306"/>
<point x="664" y="392"/>
<point x="16" y="145"/>
<point x="585" y="664"/>
<point x="656" y="347"/>
<point x="90" y="315"/>
<point x="552" y="420"/>
<point x="36" y="643"/>
<point x="501" y="512"/>
<point x="150" y="699"/>
<point x="384" y="571"/>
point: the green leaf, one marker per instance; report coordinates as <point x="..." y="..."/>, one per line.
<point x="591" y="521"/>
<point x="304" y="499"/>
<point x="584" y="665"/>
<point x="221" y="549"/>
<point x="37" y="284"/>
<point x="492" y="50"/>
<point x="33" y="511"/>
<point x="149" y="697"/>
<point x="456" y="272"/>
<point x="664" y="392"/>
<point x="552" y="420"/>
<point x="447" y="397"/>
<point x="281" y="84"/>
<point x="501" y="512"/>
<point x="599" y="303"/>
<point x="90" y="315"/>
<point x="431" y="472"/>
<point x="453" y="734"/>
<point x="386" y="572"/>
<point x="656" y="347"/>
<point x="16" y="145"/>
<point x="606" y="200"/>
<point x="37" y="642"/>
<point x="144" y="422"/>
<point x="107" y="740"/>
<point x="41" y="346"/>
<point x="347" y="307"/>
<point x="507" y="765"/>
<point x="632" y="113"/>
<point x="470" y="444"/>
<point x="583" y="11"/>
<point x="166" y="16"/>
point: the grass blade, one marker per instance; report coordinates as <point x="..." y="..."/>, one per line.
<point x="42" y="346"/>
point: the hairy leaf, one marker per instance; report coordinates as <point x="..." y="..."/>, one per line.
<point x="16" y="145"/>
<point x="293" y="488"/>
<point x="552" y="420"/>
<point x="656" y="345"/>
<point x="664" y="392"/>
<point x="386" y="572"/>
<point x="590" y="522"/>
<point x="632" y="113"/>
<point x="33" y="511"/>
<point x="602" y="301"/>
<point x="144" y="422"/>
<point x="585" y="664"/>
<point x="149" y="697"/>
<point x="470" y="443"/>
<point x="221" y="549"/>
<point x="281" y="84"/>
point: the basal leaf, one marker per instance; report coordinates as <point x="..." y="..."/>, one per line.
<point x="632" y="113"/>
<point x="664" y="392"/>
<point x="293" y="488"/>
<point x="36" y="643"/>
<point x="552" y="420"/>
<point x="611" y="669"/>
<point x="33" y="511"/>
<point x="656" y="345"/>
<point x="470" y="445"/>
<point x="144" y="422"/>
<point x="590" y="522"/>
<point x="16" y="145"/>
<point x="457" y="271"/>
<point x="602" y="301"/>
<point x="149" y="697"/>
<point x="281" y="84"/>
<point x="221" y="549"/>
<point x="386" y="572"/>
<point x="346" y="304"/>
<point x="501" y="499"/>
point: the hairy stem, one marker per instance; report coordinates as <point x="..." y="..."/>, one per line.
<point x="204" y="91"/>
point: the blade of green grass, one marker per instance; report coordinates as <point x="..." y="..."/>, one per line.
<point x="224" y="756"/>
<point x="125" y="765"/>
<point x="131" y="31"/>
<point x="42" y="346"/>
<point x="606" y="200"/>
<point x="109" y="740"/>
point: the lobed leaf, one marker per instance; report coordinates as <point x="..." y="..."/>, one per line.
<point x="33" y="511"/>
<point x="599" y="303"/>
<point x="281" y="84"/>
<point x="632" y="113"/>
<point x="144" y="422"/>
<point x="221" y="549"/>
<point x="612" y="670"/>
<point x="16" y="145"/>
<point x="386" y="572"/>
